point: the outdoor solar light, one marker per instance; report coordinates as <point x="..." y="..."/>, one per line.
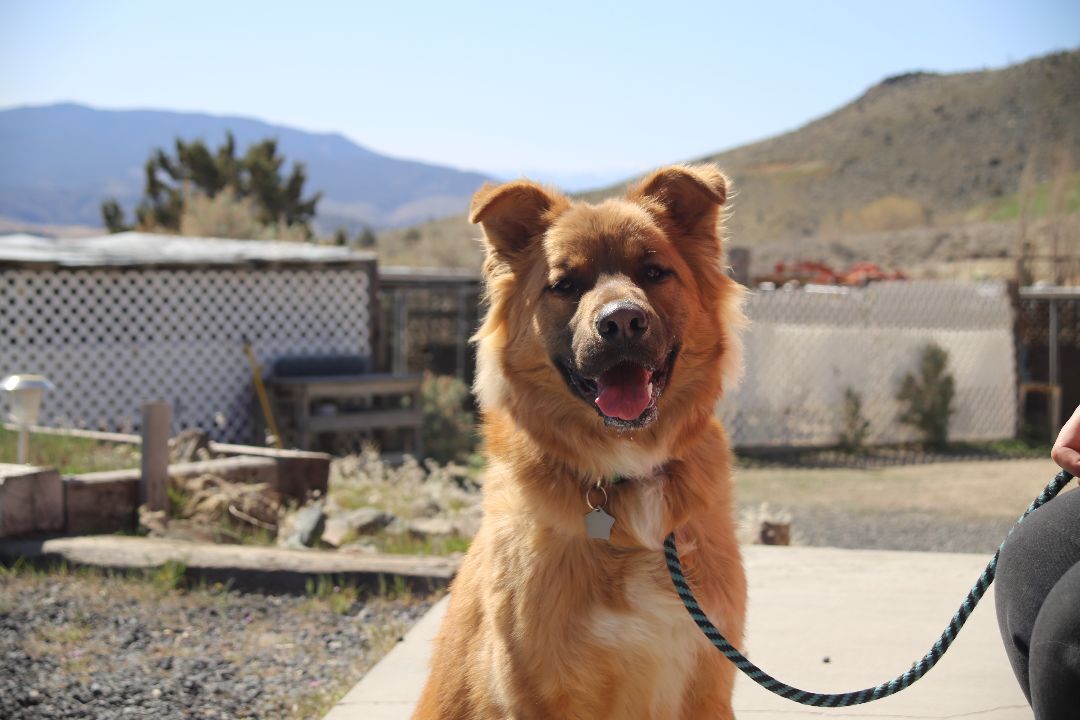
<point x="25" y="393"/>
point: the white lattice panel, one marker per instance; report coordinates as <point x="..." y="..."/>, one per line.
<point x="110" y="339"/>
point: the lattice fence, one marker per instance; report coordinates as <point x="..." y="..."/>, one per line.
<point x="111" y="338"/>
<point x="805" y="347"/>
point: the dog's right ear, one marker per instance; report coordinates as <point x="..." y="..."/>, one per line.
<point x="515" y="213"/>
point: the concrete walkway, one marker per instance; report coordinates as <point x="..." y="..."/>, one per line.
<point x="870" y="613"/>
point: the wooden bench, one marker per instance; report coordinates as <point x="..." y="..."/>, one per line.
<point x="307" y="406"/>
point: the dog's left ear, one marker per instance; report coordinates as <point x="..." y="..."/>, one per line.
<point x="515" y="213"/>
<point x="689" y="196"/>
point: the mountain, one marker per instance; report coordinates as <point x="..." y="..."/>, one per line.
<point x="919" y="150"/>
<point x="61" y="161"/>
<point x="916" y="149"/>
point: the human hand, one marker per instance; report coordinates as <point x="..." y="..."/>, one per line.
<point x="1066" y="452"/>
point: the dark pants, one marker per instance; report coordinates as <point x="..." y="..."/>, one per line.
<point x="1037" y="591"/>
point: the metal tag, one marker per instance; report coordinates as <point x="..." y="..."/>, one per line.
<point x="598" y="524"/>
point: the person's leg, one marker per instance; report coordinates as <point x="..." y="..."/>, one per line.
<point x="1054" y="657"/>
<point x="1038" y="553"/>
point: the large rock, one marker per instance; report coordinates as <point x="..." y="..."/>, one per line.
<point x="346" y="525"/>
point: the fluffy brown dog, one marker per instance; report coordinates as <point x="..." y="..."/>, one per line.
<point x="611" y="330"/>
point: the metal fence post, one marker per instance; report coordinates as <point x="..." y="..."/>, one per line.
<point x="462" y="332"/>
<point x="154" y="480"/>
<point x="1055" y="380"/>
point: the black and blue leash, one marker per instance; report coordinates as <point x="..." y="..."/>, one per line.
<point x="877" y="692"/>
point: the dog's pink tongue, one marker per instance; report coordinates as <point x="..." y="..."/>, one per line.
<point x="624" y="391"/>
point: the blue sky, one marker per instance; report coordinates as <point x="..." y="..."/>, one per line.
<point x="577" y="92"/>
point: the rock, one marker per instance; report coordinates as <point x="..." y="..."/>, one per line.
<point x="364" y="521"/>
<point x="426" y="508"/>
<point x="305" y="527"/>
<point x="368" y="521"/>
<point x="423" y="528"/>
<point x="337" y="530"/>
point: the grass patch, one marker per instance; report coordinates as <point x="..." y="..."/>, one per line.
<point x="70" y="455"/>
<point x="169" y="577"/>
<point x="405" y="544"/>
<point x="1008" y="207"/>
<point x="166" y="579"/>
<point x="327" y="593"/>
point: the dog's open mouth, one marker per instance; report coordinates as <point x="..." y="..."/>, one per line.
<point x="626" y="393"/>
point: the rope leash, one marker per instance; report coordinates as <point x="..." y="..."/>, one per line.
<point x="877" y="692"/>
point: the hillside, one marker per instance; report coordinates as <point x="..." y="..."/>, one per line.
<point x="919" y="150"/>
<point x="61" y="161"/>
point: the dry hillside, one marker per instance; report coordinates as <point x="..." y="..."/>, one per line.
<point x="921" y="153"/>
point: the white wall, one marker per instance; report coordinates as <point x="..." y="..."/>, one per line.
<point x="803" y="348"/>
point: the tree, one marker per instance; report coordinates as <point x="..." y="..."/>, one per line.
<point x="173" y="181"/>
<point x="113" y="215"/>
<point x="366" y="238"/>
<point x="928" y="396"/>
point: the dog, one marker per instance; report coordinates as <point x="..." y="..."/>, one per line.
<point x="610" y="334"/>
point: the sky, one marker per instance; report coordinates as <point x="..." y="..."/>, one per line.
<point x="578" y="93"/>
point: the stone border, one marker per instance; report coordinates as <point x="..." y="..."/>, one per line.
<point x="244" y="567"/>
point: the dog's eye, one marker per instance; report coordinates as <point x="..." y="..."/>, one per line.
<point x="564" y="286"/>
<point x="655" y="273"/>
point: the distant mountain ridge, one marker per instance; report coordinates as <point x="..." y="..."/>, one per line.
<point x="60" y="162"/>
<point x="917" y="150"/>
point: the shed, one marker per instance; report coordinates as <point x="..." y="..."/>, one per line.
<point x="116" y="320"/>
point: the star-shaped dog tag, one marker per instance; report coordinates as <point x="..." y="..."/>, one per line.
<point x="598" y="524"/>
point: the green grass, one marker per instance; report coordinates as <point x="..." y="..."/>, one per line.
<point x="405" y="544"/>
<point x="69" y="455"/>
<point x="1008" y="207"/>
<point x="328" y="593"/>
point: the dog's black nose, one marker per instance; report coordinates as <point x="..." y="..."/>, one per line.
<point x="621" y="321"/>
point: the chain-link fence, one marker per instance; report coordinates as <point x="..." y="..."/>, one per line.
<point x="426" y="317"/>
<point x="824" y="365"/>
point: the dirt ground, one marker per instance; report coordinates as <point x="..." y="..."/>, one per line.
<point x="966" y="507"/>
<point x="970" y="489"/>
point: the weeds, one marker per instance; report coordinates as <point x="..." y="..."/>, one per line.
<point x="169" y="577"/>
<point x="364" y="480"/>
<point x="449" y="428"/>
<point x="406" y="544"/>
<point x="70" y="455"/>
<point x="856" y="426"/>
<point x="330" y="593"/>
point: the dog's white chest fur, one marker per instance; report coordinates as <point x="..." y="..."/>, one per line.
<point x="643" y="515"/>
<point x="657" y="641"/>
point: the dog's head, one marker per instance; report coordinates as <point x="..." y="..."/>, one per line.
<point x="606" y="319"/>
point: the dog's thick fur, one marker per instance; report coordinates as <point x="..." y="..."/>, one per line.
<point x="545" y="623"/>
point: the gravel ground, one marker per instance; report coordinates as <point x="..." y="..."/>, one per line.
<point x="906" y="530"/>
<point x="82" y="645"/>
